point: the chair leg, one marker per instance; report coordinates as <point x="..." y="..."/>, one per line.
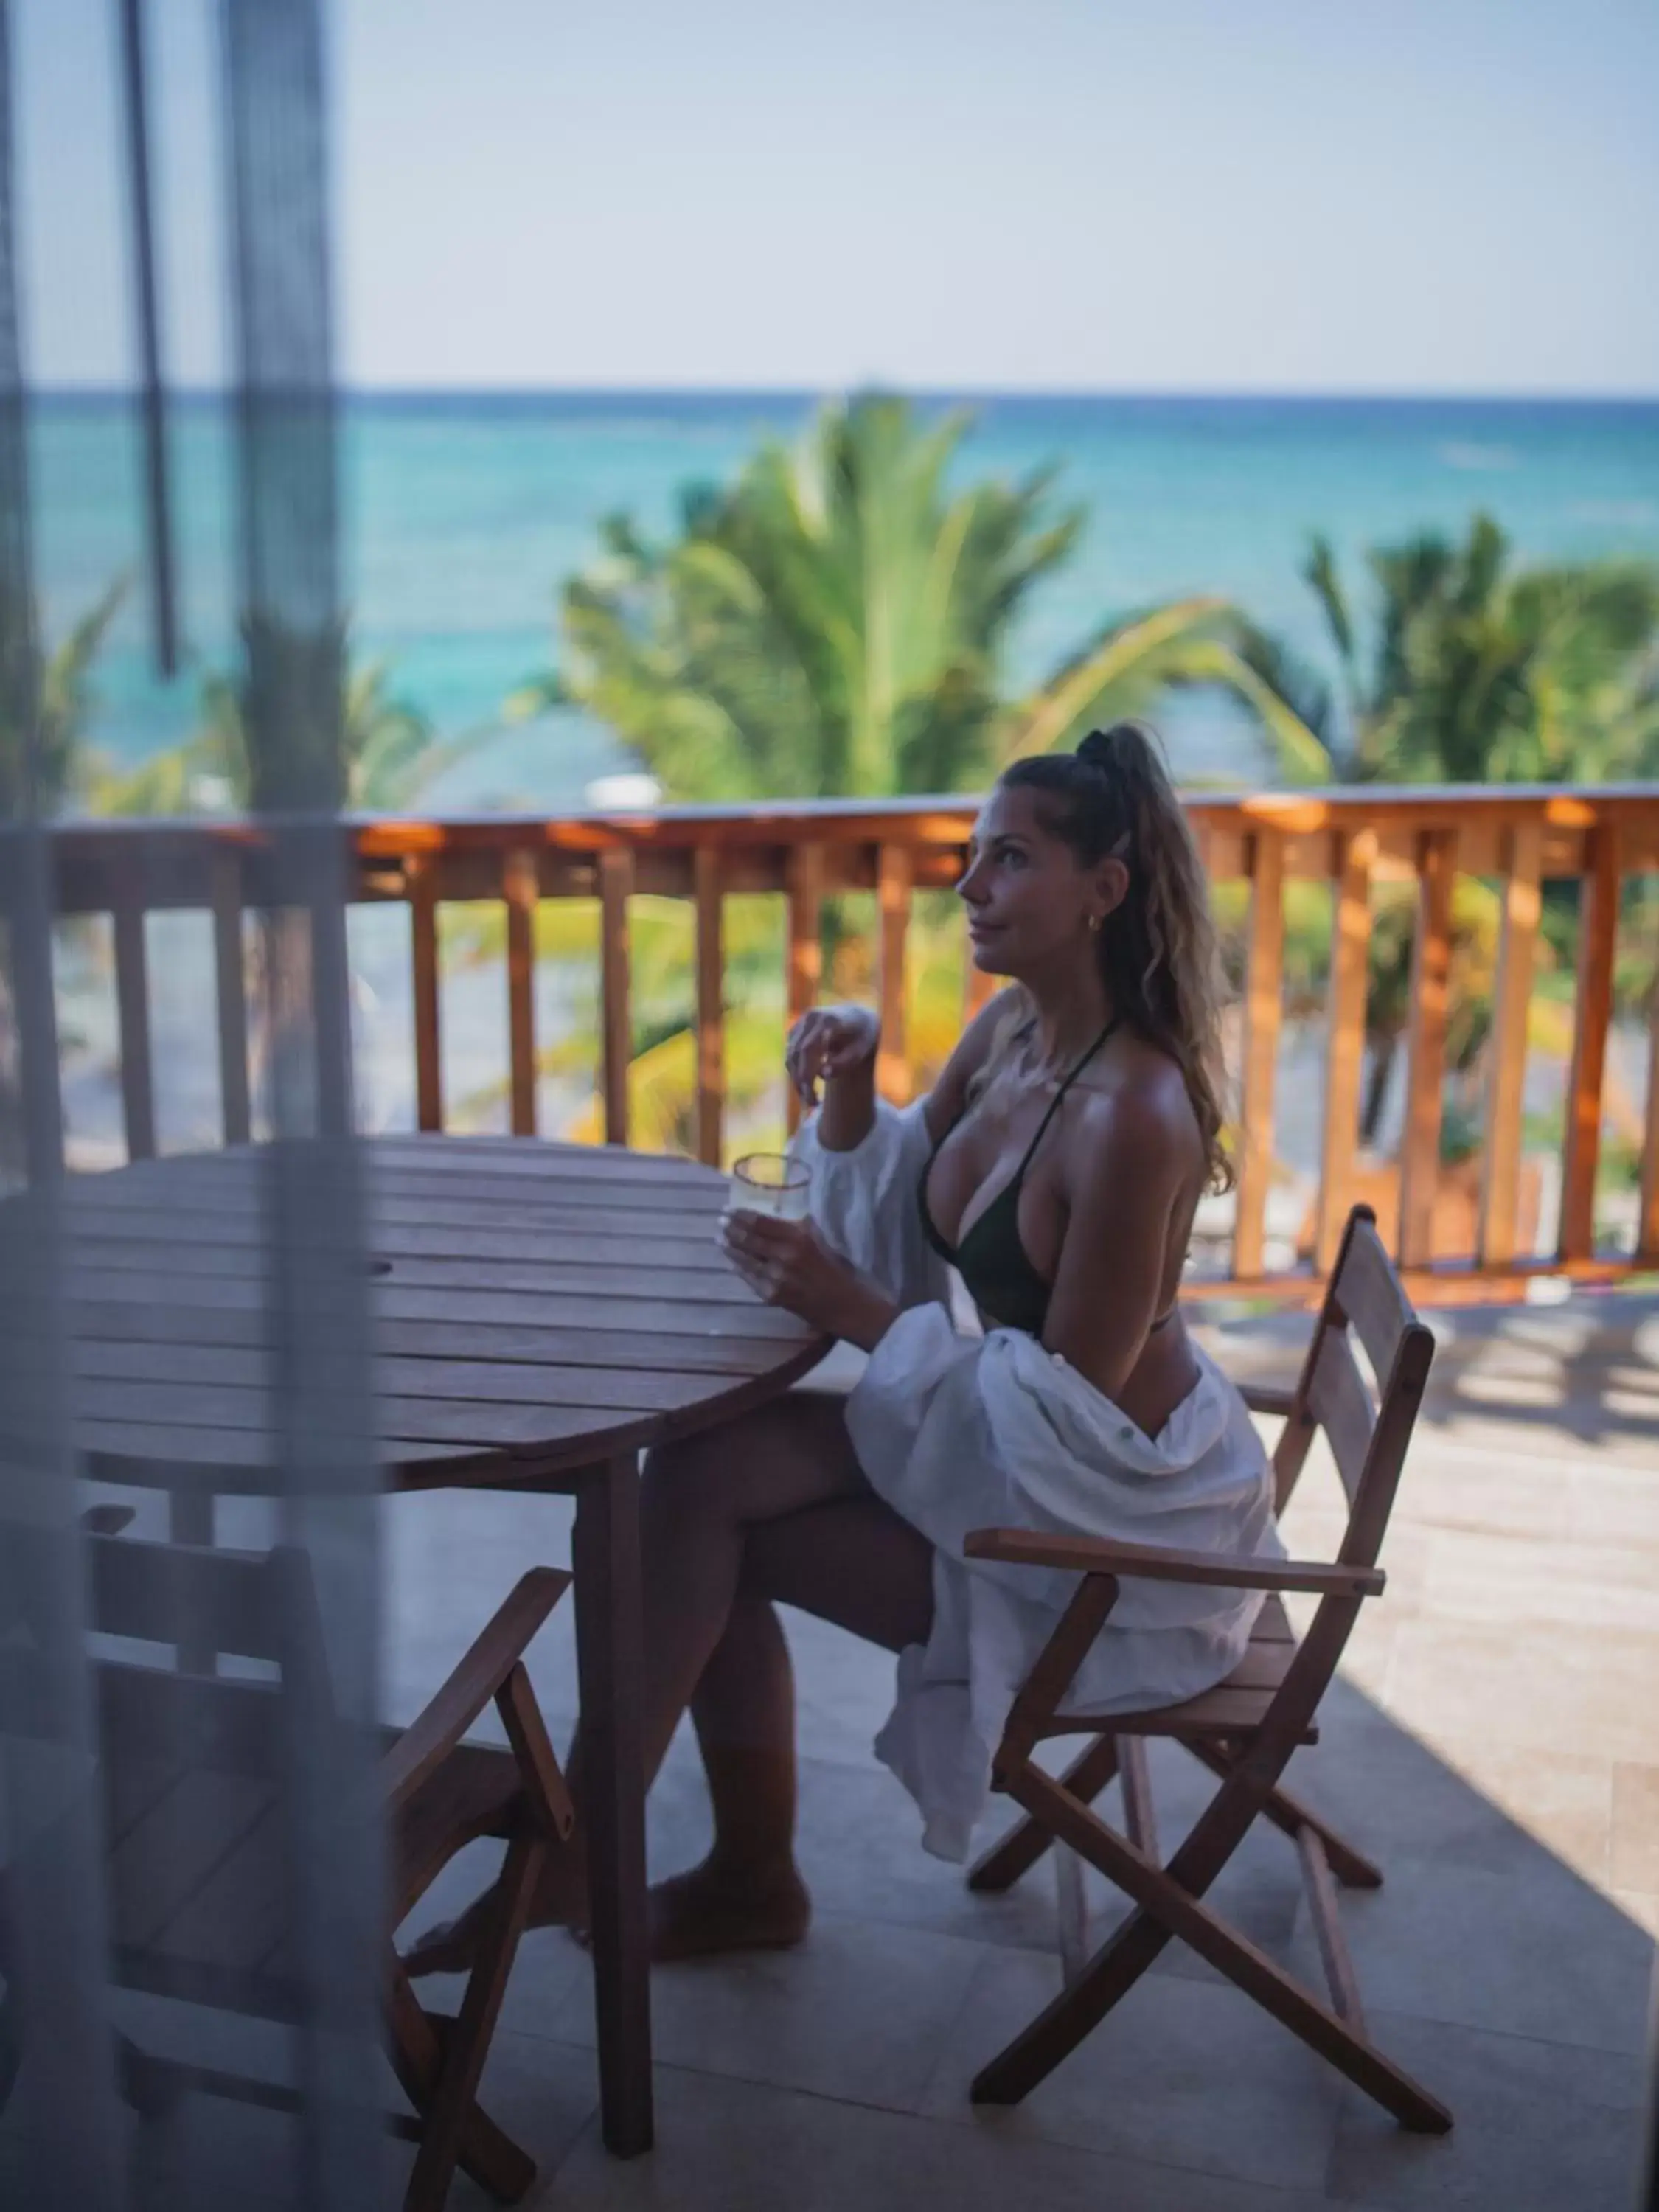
<point x="1140" y="1812"/>
<point x="1116" y="1967"/>
<point x="418" y="2042"/>
<point x="445" y="2119"/>
<point x="421" y="2044"/>
<point x="1168" y="1909"/>
<point x="1001" y="1866"/>
<point x="1351" y="1868"/>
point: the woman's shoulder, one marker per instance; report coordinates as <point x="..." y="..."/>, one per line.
<point x="1136" y="1102"/>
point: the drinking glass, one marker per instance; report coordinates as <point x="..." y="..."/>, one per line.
<point x="770" y="1182"/>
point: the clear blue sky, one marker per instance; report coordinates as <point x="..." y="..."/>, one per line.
<point x="1163" y="195"/>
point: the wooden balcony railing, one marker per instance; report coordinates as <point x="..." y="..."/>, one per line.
<point x="1351" y="840"/>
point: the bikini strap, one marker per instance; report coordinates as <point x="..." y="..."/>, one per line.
<point x="1054" y="1102"/>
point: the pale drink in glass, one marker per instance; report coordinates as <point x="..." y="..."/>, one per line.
<point x="770" y="1182"/>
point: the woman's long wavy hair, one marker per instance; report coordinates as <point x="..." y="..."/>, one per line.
<point x="1113" y="799"/>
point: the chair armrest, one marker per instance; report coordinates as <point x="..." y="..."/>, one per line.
<point x="427" y="1740"/>
<point x="1097" y="1555"/>
<point x="1268" y="1397"/>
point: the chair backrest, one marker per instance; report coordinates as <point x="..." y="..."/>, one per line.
<point x="1368" y="1432"/>
<point x="231" y="1604"/>
<point x="235" y="1605"/>
<point x="197" y="1768"/>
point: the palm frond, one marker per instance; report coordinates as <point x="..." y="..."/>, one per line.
<point x="831" y="623"/>
<point x="1321" y="575"/>
<point x="69" y="701"/>
<point x="1303" y="754"/>
<point x="1128" y="655"/>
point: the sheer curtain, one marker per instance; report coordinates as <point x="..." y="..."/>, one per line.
<point x="121" y="2083"/>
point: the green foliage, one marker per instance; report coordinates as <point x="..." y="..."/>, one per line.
<point x="662" y="1073"/>
<point x="1636" y="984"/>
<point x="833" y="624"/>
<point x="1477" y="672"/>
<point x="386" y="757"/>
<point x="386" y="750"/>
<point x="1460" y="1129"/>
<point x="39" y="778"/>
<point x="829" y="625"/>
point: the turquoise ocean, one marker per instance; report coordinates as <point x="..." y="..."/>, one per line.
<point x="463" y="514"/>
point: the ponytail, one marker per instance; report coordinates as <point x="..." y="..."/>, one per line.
<point x="1113" y="800"/>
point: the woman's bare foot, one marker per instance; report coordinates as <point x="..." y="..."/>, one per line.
<point x="710" y="1908"/>
<point x="453" y="1945"/>
<point x="449" y="1948"/>
<point x="713" y="1908"/>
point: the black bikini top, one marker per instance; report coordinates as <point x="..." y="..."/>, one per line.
<point x="991" y="1258"/>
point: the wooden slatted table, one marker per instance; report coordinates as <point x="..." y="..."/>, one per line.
<point x="543" y="1314"/>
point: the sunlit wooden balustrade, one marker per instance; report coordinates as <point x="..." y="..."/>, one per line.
<point x="1352" y="839"/>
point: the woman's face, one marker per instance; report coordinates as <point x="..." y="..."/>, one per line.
<point x="1031" y="900"/>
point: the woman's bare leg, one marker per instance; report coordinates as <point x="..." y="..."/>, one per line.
<point x="699" y="1504"/>
<point x="852" y="1561"/>
<point x="702" y="1502"/>
<point x="747" y="1893"/>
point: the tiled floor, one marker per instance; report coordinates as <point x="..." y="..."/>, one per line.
<point x="1494" y="1741"/>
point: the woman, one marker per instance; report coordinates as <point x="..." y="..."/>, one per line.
<point x="1057" y="1165"/>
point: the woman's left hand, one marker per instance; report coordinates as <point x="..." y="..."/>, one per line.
<point x="788" y="1264"/>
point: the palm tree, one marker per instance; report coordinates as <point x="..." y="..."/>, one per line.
<point x="388" y="753"/>
<point x="67" y="701"/>
<point x="835" y="624"/>
<point x="41" y="769"/>
<point x="1478" y="672"/>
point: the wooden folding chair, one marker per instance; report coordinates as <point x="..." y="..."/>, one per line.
<point x="1243" y="1731"/>
<point x="198" y="1830"/>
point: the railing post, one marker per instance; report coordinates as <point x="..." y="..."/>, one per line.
<point x="520" y="887"/>
<point x="706" y="879"/>
<point x="230" y="988"/>
<point x="895" y="875"/>
<point x="1500" y="1177"/>
<point x="804" y="956"/>
<point x="1263" y="985"/>
<point x="1598" y="930"/>
<point x="1426" y="1063"/>
<point x="132" y="1014"/>
<point x="616" y="884"/>
<point x="1647" y="1236"/>
<point x="1345" y="1035"/>
<point x="423" y="953"/>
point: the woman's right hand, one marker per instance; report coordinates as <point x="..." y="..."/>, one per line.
<point x="827" y="1042"/>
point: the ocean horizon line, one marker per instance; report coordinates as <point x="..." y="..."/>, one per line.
<point x="807" y="395"/>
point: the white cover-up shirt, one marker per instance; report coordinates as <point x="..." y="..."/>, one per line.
<point x="963" y="1432"/>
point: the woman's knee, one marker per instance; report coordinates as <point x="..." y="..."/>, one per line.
<point x="686" y="1477"/>
<point x="776" y="1459"/>
<point x="854" y="1562"/>
<point x="709" y="1476"/>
